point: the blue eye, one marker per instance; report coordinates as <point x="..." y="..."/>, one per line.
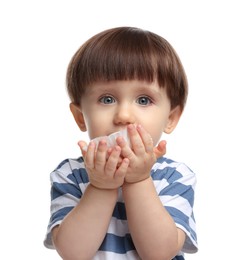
<point x="107" y="100"/>
<point x="144" y="101"/>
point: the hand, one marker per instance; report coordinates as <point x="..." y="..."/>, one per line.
<point x="142" y="155"/>
<point x="102" y="166"/>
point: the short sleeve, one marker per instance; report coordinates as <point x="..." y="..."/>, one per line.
<point x="175" y="184"/>
<point x="68" y="182"/>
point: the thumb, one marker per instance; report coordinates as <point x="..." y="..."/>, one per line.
<point x="160" y="149"/>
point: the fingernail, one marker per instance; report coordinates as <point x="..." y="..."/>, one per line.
<point x="91" y="144"/>
<point x="84" y="148"/>
<point x="131" y="126"/>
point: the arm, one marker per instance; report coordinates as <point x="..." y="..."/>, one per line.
<point x="82" y="231"/>
<point x="153" y="230"/>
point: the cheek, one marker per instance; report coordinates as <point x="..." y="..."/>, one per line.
<point x="154" y="129"/>
<point x="96" y="124"/>
<point x="156" y="134"/>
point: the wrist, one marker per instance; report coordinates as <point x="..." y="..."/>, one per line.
<point x="139" y="189"/>
<point x="102" y="189"/>
<point x="108" y="196"/>
<point x="138" y="182"/>
<point x="135" y="179"/>
<point x="107" y="185"/>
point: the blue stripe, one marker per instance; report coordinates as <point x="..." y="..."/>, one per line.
<point x="181" y="190"/>
<point x="164" y="159"/>
<point x="59" y="189"/>
<point x="177" y="214"/>
<point x="180" y="218"/>
<point x="168" y="173"/>
<point x="79" y="159"/>
<point x="61" y="164"/>
<point x="79" y="176"/>
<point x="119" y="211"/>
<point x="120" y="245"/>
<point x="178" y="257"/>
<point x="59" y="215"/>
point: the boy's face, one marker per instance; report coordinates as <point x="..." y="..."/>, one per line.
<point x="108" y="107"/>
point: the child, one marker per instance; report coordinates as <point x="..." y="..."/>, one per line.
<point x="125" y="201"/>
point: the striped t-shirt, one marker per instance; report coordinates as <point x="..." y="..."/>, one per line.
<point x="174" y="183"/>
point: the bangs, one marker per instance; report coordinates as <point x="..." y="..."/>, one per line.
<point x="123" y="56"/>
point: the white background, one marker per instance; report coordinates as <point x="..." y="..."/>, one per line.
<point x="37" y="40"/>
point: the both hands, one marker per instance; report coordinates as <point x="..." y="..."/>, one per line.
<point x="110" y="168"/>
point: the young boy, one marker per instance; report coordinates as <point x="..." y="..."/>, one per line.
<point x="125" y="201"/>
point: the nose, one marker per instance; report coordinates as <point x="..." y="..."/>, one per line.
<point x="124" y="115"/>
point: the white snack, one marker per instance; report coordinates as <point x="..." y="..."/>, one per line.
<point x="111" y="139"/>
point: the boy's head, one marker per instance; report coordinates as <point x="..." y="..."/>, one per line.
<point x="127" y="53"/>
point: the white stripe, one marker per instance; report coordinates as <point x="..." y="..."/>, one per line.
<point x="130" y="255"/>
<point x="177" y="202"/>
<point x="190" y="245"/>
<point x="164" y="164"/>
<point x="61" y="177"/>
<point x="65" y="169"/>
<point x="192" y="224"/>
<point x="83" y="186"/>
<point x="160" y="185"/>
<point x="63" y="201"/>
<point x="68" y="167"/>
<point x="180" y="167"/>
<point x="118" y="227"/>
<point x="74" y="164"/>
<point x="187" y="179"/>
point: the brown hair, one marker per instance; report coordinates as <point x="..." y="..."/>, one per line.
<point x="127" y="53"/>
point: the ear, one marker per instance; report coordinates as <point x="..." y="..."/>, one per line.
<point x="78" y="116"/>
<point x="173" y="119"/>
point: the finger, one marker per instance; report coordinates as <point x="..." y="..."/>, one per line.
<point x="112" y="162"/>
<point x="89" y="156"/>
<point x="109" y="151"/>
<point x="146" y="138"/>
<point x="126" y="150"/>
<point x="83" y="147"/>
<point x="136" y="140"/>
<point x="122" y="170"/>
<point x="160" y="150"/>
<point x="101" y="155"/>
